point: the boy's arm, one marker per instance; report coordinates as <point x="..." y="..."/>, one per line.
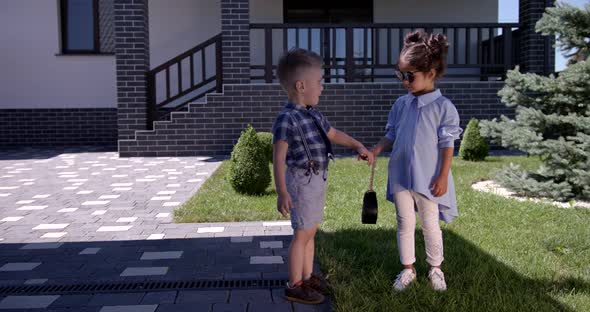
<point x="440" y="184"/>
<point x="341" y="138"/>
<point x="279" y="154"/>
<point x="381" y="145"/>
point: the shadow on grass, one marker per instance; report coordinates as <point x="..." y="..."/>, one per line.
<point x="362" y="264"/>
<point x="269" y="192"/>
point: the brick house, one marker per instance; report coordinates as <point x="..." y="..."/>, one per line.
<point x="184" y="77"/>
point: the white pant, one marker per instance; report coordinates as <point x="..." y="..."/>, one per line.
<point x="405" y="201"/>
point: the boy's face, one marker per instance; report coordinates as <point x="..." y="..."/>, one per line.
<point x="309" y="87"/>
<point x="421" y="81"/>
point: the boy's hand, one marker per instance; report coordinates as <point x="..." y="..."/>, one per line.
<point x="284" y="204"/>
<point x="365" y="154"/>
<point x="439" y="186"/>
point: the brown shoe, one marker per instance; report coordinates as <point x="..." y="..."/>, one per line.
<point x="318" y="283"/>
<point x="304" y="294"/>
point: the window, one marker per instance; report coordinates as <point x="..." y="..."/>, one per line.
<point x="79" y="26"/>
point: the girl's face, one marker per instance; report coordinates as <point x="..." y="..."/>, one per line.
<point x="417" y="82"/>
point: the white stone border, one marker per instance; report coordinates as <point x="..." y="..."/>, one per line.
<point x="490" y="186"/>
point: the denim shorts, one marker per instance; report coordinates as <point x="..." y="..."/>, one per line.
<point x="308" y="195"/>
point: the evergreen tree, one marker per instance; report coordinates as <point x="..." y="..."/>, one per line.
<point x="552" y="114"/>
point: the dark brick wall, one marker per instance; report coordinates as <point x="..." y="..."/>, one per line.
<point x="359" y="109"/>
<point x="132" y="56"/>
<point x="58" y="127"/>
<point x="536" y="52"/>
<point x="235" y="30"/>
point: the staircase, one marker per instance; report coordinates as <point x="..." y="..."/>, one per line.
<point x="210" y="127"/>
<point x="190" y="111"/>
<point x="183" y="79"/>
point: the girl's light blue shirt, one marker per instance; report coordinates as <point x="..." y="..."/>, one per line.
<point x="419" y="127"/>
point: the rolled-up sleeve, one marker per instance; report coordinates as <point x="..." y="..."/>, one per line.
<point x="449" y="129"/>
<point x="391" y="122"/>
<point x="282" y="128"/>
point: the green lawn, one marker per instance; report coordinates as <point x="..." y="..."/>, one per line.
<point x="500" y="254"/>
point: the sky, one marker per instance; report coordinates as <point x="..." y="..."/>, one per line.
<point x="508" y="13"/>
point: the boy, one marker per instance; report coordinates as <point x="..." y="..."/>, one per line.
<point x="301" y="166"/>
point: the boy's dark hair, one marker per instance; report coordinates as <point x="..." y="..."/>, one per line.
<point x="294" y="60"/>
<point x="425" y="51"/>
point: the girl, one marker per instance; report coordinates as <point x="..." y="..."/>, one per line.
<point x="422" y="127"/>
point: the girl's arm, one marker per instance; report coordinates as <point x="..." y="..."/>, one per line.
<point x="387" y="140"/>
<point x="448" y="132"/>
<point x="447" y="158"/>
<point x="384" y="143"/>
<point x="440" y="184"/>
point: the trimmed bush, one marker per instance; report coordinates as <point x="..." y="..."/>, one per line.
<point x="473" y="147"/>
<point x="266" y="142"/>
<point x="248" y="167"/>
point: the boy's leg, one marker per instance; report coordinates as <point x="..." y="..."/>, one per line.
<point x="315" y="281"/>
<point x="309" y="256"/>
<point x="298" y="254"/>
<point x="308" y="196"/>
<point x="406" y="226"/>
<point x="298" y="290"/>
<point x="429" y="217"/>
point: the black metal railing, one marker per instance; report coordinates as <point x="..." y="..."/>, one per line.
<point x="192" y="81"/>
<point x="494" y="51"/>
<point x="367" y="52"/>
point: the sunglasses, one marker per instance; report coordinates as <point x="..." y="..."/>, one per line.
<point x="404" y="75"/>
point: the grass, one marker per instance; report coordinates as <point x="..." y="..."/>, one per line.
<point x="216" y="201"/>
<point x="500" y="254"/>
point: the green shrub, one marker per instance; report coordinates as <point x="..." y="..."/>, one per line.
<point x="248" y="171"/>
<point x="266" y="142"/>
<point x="473" y="147"/>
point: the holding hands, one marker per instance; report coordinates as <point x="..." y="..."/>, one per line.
<point x="384" y="143"/>
<point x="365" y="154"/>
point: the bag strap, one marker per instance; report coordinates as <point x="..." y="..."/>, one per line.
<point x="372" y="176"/>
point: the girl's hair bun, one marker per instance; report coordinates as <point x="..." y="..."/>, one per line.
<point x="437" y="45"/>
<point x="426" y="51"/>
<point x="415" y="37"/>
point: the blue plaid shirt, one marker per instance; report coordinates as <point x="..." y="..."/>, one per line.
<point x="285" y="129"/>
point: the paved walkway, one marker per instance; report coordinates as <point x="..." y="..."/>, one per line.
<point x="84" y="217"/>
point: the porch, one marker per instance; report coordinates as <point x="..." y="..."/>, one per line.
<point x="350" y="53"/>
<point x="246" y="53"/>
<point x="367" y="52"/>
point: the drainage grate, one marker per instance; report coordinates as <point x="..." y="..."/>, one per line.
<point x="139" y="286"/>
